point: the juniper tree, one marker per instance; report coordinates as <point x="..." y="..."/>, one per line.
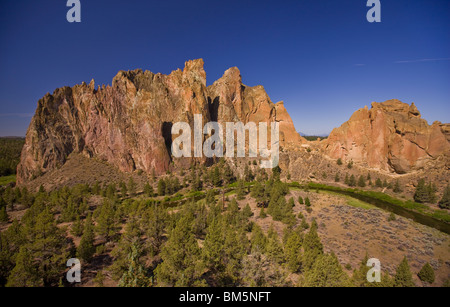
<point x="337" y="177"/>
<point x="210" y="197"/>
<point x="247" y="212"/>
<point x="181" y="258"/>
<point x="240" y="190"/>
<point x="105" y="221"/>
<point x="228" y="175"/>
<point x="361" y="182"/>
<point x="326" y="272"/>
<point x="378" y="183"/>
<point x="86" y="249"/>
<point x="346" y="180"/>
<point x="403" y="276"/>
<point x="131" y="187"/>
<point x="123" y="189"/>
<point x="48" y="244"/>
<point x="397" y="188"/>
<point x="444" y="203"/>
<point x="148" y="190"/>
<point x="425" y="193"/>
<point x="292" y="251"/>
<point x="274" y="249"/>
<point x="352" y="181"/>
<point x="312" y="247"/>
<point x="77" y="227"/>
<point x="155" y="226"/>
<point x="236" y="246"/>
<point x="259" y="271"/>
<point x="262" y="213"/>
<point x="24" y="273"/>
<point x="350" y="165"/>
<point x="426" y="274"/>
<point x="307" y="202"/>
<point x="212" y="251"/>
<point x="136" y="275"/>
<point x="258" y="239"/>
<point x="217" y="178"/>
<point x="3" y="214"/>
<point x="161" y="187"/>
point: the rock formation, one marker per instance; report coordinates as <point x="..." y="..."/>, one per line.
<point x="390" y="136"/>
<point x="128" y="124"/>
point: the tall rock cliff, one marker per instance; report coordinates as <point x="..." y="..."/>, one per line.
<point x="390" y="136"/>
<point x="128" y="124"/>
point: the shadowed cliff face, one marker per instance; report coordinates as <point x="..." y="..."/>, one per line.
<point x="390" y="136"/>
<point x="128" y="123"/>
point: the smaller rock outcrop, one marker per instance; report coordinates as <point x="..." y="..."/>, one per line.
<point x="390" y="136"/>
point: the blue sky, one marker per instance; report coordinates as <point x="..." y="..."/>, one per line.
<point x="321" y="57"/>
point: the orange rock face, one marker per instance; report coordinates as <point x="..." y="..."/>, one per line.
<point x="128" y="124"/>
<point x="391" y="136"/>
<point x="232" y="101"/>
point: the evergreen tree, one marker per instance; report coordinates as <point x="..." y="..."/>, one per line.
<point x="352" y="181"/>
<point x="359" y="278"/>
<point x="312" y="247"/>
<point x="96" y="188"/>
<point x="274" y="249"/>
<point x="339" y="162"/>
<point x="247" y="212"/>
<point x="337" y="177"/>
<point x="86" y="249"/>
<point x="378" y="183"/>
<point x="217" y="178"/>
<point x="236" y="246"/>
<point x="105" y="221"/>
<point x="397" y="188"/>
<point x="48" y="246"/>
<point x="426" y="274"/>
<point x="131" y="187"/>
<point x="444" y="203"/>
<point x="181" y="265"/>
<point x="228" y="175"/>
<point x="425" y="193"/>
<point x="350" y="165"/>
<point x="304" y="225"/>
<point x="262" y="213"/>
<point x="161" y="187"/>
<point x="258" y="239"/>
<point x="326" y="272"/>
<point x="24" y="273"/>
<point x="361" y="182"/>
<point x="26" y="198"/>
<point x="155" y="227"/>
<point x="148" y="190"/>
<point x="77" y="227"/>
<point x="213" y="246"/>
<point x="210" y="197"/>
<point x="300" y="200"/>
<point x="292" y="250"/>
<point x="259" y="271"/>
<point x="403" y="276"/>
<point x="123" y="189"/>
<point x="122" y="251"/>
<point x="136" y="275"/>
<point x="346" y="180"/>
<point x="3" y="214"/>
<point x="111" y="191"/>
<point x="307" y="202"/>
<point x="240" y="193"/>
